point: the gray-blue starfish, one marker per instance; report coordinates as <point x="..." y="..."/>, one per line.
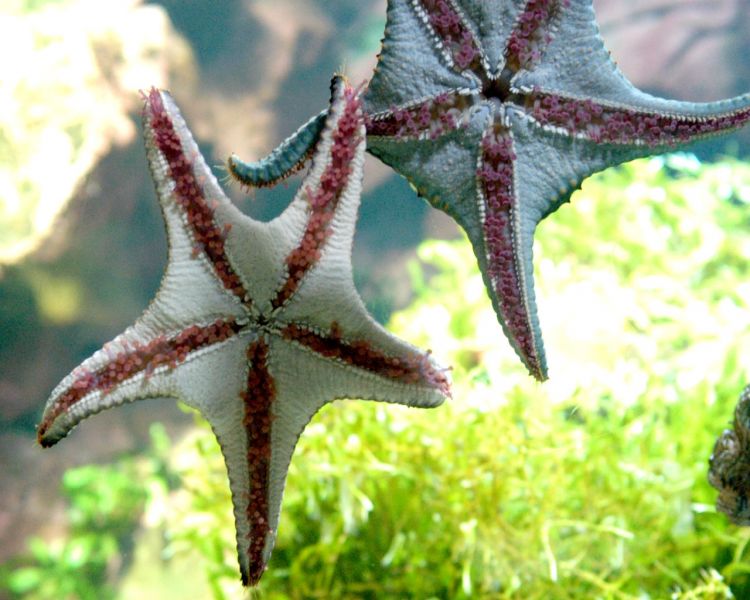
<point x="495" y="111"/>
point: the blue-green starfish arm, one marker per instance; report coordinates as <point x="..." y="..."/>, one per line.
<point x="445" y="171"/>
<point x="287" y="158"/>
<point x="493" y="21"/>
<point x="550" y="165"/>
<point x="556" y="68"/>
<point x="408" y="66"/>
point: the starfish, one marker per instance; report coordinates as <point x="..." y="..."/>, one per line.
<point x="729" y="465"/>
<point x="256" y="325"/>
<point x="495" y="111"/>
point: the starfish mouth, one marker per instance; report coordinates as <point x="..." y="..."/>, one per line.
<point x="500" y="90"/>
<point x="262" y="321"/>
<point x="498" y="86"/>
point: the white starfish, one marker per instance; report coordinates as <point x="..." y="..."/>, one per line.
<point x="256" y="325"/>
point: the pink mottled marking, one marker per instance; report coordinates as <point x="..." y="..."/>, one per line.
<point x="416" y="369"/>
<point x="532" y="34"/>
<point x="258" y="400"/>
<point x="432" y="118"/>
<point x="495" y="176"/>
<point x="325" y="198"/>
<point x="137" y="358"/>
<point x="455" y="36"/>
<point x="208" y="236"/>
<point x="601" y="123"/>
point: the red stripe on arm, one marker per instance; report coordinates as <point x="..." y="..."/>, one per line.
<point x="432" y="118"/>
<point x="495" y="177"/>
<point x="607" y="124"/>
<point x="531" y="35"/>
<point x="325" y="198"/>
<point x="208" y="236"/>
<point x="137" y="358"/>
<point x="414" y="369"/>
<point x="455" y="36"/>
<point x="258" y="399"/>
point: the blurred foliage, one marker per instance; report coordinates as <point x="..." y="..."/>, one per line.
<point x="105" y="504"/>
<point x="65" y="98"/>
<point x="591" y="485"/>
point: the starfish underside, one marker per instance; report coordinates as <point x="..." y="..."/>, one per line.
<point x="496" y="111"/>
<point x="256" y="325"/>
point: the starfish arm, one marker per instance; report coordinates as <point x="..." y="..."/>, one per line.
<point x="321" y="307"/>
<point x="131" y="368"/>
<point x="648" y="128"/>
<point x="493" y="21"/>
<point x="571" y="56"/>
<point x="556" y="78"/>
<point x="427" y="118"/>
<point x="533" y="30"/>
<point x="550" y="165"/>
<point x="243" y="429"/>
<point x="453" y="36"/>
<point x="286" y="159"/>
<point x="313" y="217"/>
<point x="308" y="380"/>
<point x="192" y="202"/>
<point x="505" y="245"/>
<point x="409" y="66"/>
<point x="454" y="177"/>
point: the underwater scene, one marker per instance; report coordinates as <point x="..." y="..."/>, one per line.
<point x="225" y="225"/>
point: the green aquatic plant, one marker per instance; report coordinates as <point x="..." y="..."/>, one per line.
<point x="105" y="505"/>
